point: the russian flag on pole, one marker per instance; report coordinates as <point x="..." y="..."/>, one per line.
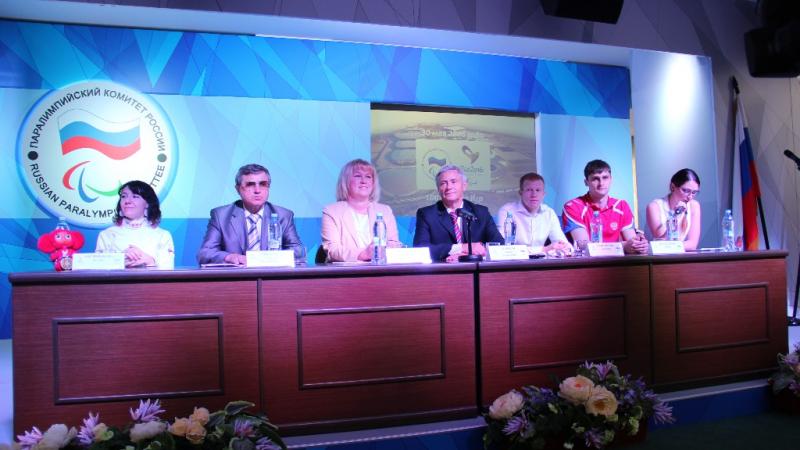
<point x="745" y="190"/>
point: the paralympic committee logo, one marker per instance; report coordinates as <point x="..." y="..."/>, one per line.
<point x="79" y="144"/>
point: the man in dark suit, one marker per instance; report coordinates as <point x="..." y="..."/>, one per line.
<point x="440" y="228"/>
<point x="243" y="225"/>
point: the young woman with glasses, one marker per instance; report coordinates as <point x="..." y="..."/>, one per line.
<point x="679" y="205"/>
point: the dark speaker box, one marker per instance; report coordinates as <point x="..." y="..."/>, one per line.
<point x="772" y="53"/>
<point x="606" y="11"/>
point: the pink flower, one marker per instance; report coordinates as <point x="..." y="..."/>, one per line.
<point x="243" y="428"/>
<point x="601" y="402"/>
<point x="506" y="405"/>
<point x="196" y="433"/>
<point x="266" y="443"/>
<point x="179" y="427"/>
<point x="86" y="432"/>
<point x="200" y="415"/>
<point x="147" y="411"/>
<point x="28" y="440"/>
<point x="147" y="430"/>
<point x="576" y="390"/>
<point x="57" y="436"/>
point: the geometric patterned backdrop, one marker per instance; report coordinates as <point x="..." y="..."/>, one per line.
<point x="205" y="64"/>
<point x="217" y="69"/>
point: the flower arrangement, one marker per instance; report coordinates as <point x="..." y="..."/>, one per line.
<point x="590" y="409"/>
<point x="230" y="428"/>
<point x="788" y="374"/>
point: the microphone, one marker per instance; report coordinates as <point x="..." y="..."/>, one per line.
<point x="469" y="217"/>
<point x="463" y="213"/>
<point x="792" y="156"/>
<point x="680" y="208"/>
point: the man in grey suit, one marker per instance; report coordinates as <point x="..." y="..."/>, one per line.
<point x="243" y="225"/>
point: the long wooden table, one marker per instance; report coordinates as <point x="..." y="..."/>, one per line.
<point x="676" y="321"/>
<point x="326" y="348"/>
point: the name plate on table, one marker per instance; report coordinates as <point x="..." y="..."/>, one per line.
<point x="605" y="249"/>
<point x="270" y="258"/>
<point x="408" y="255"/>
<point x="98" y="261"/>
<point x="667" y="247"/>
<point x="507" y="252"/>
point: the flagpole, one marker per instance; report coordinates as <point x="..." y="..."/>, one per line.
<point x="735" y="84"/>
<point x="763" y="221"/>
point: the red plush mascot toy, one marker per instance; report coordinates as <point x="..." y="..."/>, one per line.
<point x="61" y="244"/>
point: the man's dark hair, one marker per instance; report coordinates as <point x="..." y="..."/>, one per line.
<point x="595" y="166"/>
<point x="250" y="169"/>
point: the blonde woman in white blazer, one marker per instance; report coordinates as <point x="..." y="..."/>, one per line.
<point x="347" y="224"/>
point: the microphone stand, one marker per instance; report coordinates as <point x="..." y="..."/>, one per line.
<point x="793" y="321"/>
<point x="469" y="257"/>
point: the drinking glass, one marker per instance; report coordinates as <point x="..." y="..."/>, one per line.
<point x="582" y="248"/>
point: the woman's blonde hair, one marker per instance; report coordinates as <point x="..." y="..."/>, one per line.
<point x="342" y="189"/>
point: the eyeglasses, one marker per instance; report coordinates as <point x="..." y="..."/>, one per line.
<point x="251" y="185"/>
<point x="689" y="192"/>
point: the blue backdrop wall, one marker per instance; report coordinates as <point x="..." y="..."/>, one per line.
<point x="300" y="107"/>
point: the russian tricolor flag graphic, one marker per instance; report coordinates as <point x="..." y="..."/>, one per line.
<point x="80" y="129"/>
<point x="745" y="181"/>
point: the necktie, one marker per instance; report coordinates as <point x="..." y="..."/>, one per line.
<point x="456" y="228"/>
<point x="253" y="236"/>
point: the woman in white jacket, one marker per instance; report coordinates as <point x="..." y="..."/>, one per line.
<point x="136" y="232"/>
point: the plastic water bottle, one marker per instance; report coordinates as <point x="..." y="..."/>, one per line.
<point x="62" y="224"/>
<point x="379" y="240"/>
<point x="672" y="227"/>
<point x="274" y="233"/>
<point x="728" y="232"/>
<point x="510" y="229"/>
<point x="596" y="228"/>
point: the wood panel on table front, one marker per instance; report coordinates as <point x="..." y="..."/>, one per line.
<point x="86" y="351"/>
<point x="370" y="349"/>
<point x="326" y="339"/>
<point x="717" y="319"/>
<point x="98" y="347"/>
<point x="538" y="323"/>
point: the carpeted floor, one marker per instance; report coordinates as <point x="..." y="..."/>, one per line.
<point x="768" y="431"/>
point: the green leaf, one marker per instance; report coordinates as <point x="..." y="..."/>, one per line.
<point x="116" y="441"/>
<point x="162" y="441"/>
<point x="216" y="419"/>
<point x="637" y="412"/>
<point x="608" y="436"/>
<point x="273" y="436"/>
<point x="780" y="382"/>
<point x="105" y="436"/>
<point x="218" y="433"/>
<point x="155" y="445"/>
<point x="241" y="444"/>
<point x="269" y="424"/>
<point x="633" y="426"/>
<point x="236" y="407"/>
